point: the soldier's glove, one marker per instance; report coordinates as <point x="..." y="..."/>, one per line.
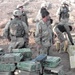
<point x="9" y="39"/>
<point x="72" y="43"/>
<point x="51" y="21"/>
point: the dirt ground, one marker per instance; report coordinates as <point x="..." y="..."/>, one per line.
<point x="6" y="8"/>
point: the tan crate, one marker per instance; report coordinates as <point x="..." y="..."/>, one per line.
<point x="71" y="50"/>
<point x="72" y="61"/>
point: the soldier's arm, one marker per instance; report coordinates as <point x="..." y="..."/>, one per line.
<point x="25" y="28"/>
<point x="6" y="30"/>
<point x="58" y="11"/>
<point x="69" y="35"/>
<point x="38" y="34"/>
<point x="25" y="15"/>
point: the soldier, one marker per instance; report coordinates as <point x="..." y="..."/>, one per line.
<point x="24" y="18"/>
<point x="43" y="33"/>
<point x="46" y="5"/>
<point x="16" y="31"/>
<point x="59" y="29"/>
<point x="63" y="12"/>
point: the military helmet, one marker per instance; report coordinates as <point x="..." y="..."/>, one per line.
<point x="17" y="13"/>
<point x="19" y="6"/>
<point x="43" y="5"/>
<point x="65" y="3"/>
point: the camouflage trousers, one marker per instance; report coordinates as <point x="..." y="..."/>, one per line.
<point x="16" y="43"/>
<point x="43" y="50"/>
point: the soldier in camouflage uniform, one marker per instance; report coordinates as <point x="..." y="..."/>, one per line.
<point x="63" y="12"/>
<point x="59" y="29"/>
<point x="43" y="33"/>
<point x="16" y="31"/>
<point x="24" y="18"/>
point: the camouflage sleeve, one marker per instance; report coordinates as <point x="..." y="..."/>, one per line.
<point x="6" y="30"/>
<point x="58" y="11"/>
<point x="26" y="18"/>
<point x="38" y="34"/>
<point x="69" y="35"/>
<point x="25" y="27"/>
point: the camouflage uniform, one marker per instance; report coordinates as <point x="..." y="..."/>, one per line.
<point x="46" y="5"/>
<point x="24" y="18"/>
<point x="16" y="32"/>
<point x="43" y="37"/>
<point x="63" y="12"/>
<point x="60" y="35"/>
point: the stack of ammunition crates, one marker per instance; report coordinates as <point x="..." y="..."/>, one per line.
<point x="5" y="67"/>
<point x="9" y="61"/>
<point x="12" y="63"/>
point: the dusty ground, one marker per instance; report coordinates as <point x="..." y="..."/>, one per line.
<point x="6" y="8"/>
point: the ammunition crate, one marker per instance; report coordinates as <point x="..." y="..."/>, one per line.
<point x="11" y="58"/>
<point x="7" y="67"/>
<point x="52" y="61"/>
<point x="29" y="66"/>
<point x="5" y="73"/>
<point x="25" y="51"/>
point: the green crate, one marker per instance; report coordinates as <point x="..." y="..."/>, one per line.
<point x="11" y="58"/>
<point x="29" y="66"/>
<point x="25" y="51"/>
<point x="52" y="61"/>
<point x="5" y="73"/>
<point x="7" y="67"/>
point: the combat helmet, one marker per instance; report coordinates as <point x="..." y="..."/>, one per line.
<point x="19" y="6"/>
<point x="17" y="13"/>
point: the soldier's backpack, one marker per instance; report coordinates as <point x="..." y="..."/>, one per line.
<point x="17" y="29"/>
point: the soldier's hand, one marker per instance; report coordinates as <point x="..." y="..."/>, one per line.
<point x="72" y="43"/>
<point x="39" y="46"/>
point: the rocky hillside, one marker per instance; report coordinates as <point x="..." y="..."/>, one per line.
<point x="31" y="7"/>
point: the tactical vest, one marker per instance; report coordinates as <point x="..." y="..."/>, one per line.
<point x="17" y="29"/>
<point x="64" y="12"/>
